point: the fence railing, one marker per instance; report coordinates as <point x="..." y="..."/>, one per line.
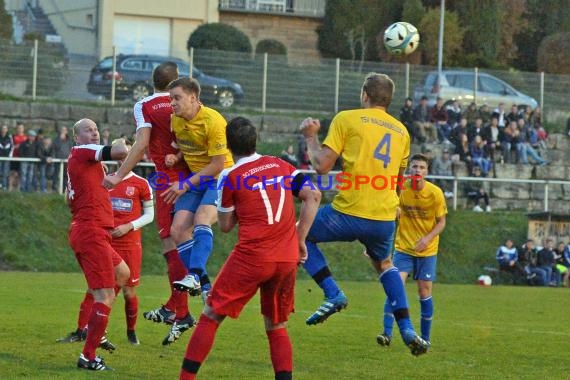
<point x="59" y="165"/>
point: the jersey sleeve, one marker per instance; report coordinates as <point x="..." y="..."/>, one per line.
<point x="440" y="204"/>
<point x="90" y="152"/>
<point x="217" y="143"/>
<point x="226" y="184"/>
<point x="336" y="136"/>
<point x="140" y="116"/>
<point x="145" y="190"/>
<point x="406" y="147"/>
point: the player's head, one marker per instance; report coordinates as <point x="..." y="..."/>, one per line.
<point x="377" y="90"/>
<point x="163" y="74"/>
<point x="85" y="132"/>
<point x="419" y="165"/>
<point x="185" y="97"/>
<point x="241" y="136"/>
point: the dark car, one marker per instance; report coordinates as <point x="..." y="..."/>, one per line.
<point x="133" y="79"/>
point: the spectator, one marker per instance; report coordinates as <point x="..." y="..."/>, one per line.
<point x="508" y="258"/>
<point x="19" y="137"/>
<point x="463" y="153"/>
<point x="62" y="145"/>
<point x="475" y="191"/>
<point x="444" y="166"/>
<point x="6" y="147"/>
<point x="471" y="113"/>
<point x="492" y="134"/>
<point x="106" y="137"/>
<point x="288" y="155"/>
<point x="475" y="130"/>
<point x="303" y="154"/>
<point x="28" y="149"/>
<point x="526" y="138"/>
<point x="45" y="154"/>
<point x="454" y="113"/>
<point x="438" y="117"/>
<point x="568" y="127"/>
<point x="422" y="123"/>
<point x="562" y="263"/>
<point x="461" y="128"/>
<point x="480" y="156"/>
<point x="514" y="114"/>
<point x="500" y="114"/>
<point x="528" y="257"/>
<point x="510" y="143"/>
<point x="485" y="113"/>
<point x="407" y="118"/>
<point x="546" y="261"/>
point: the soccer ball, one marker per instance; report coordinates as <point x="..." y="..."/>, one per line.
<point x="485" y="280"/>
<point x="401" y="38"/>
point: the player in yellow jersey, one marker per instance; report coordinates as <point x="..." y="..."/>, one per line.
<point x="422" y="220"/>
<point x="200" y="134"/>
<point x="374" y="147"/>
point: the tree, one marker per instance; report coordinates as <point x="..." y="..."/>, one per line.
<point x="217" y="36"/>
<point x="5" y="23"/>
<point x="429" y="33"/>
<point x="413" y="11"/>
<point x="270" y="46"/>
<point x="554" y="54"/>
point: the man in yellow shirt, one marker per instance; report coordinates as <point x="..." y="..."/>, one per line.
<point x="200" y="134"/>
<point x="422" y="220"/>
<point x="374" y="147"/>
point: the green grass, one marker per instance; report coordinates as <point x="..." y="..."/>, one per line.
<point x="35" y="227"/>
<point x="478" y="332"/>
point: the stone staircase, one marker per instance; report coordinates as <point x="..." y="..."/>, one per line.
<point x="34" y="21"/>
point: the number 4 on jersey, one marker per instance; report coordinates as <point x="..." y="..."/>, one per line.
<point x="382" y="150"/>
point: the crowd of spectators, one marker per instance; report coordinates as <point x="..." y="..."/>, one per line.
<point x="536" y="265"/>
<point x="42" y="176"/>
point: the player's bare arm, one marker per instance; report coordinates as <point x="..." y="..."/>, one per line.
<point x="226" y="220"/>
<point x="135" y="155"/>
<point x="322" y="157"/>
<point x="210" y="171"/>
<point x="423" y="243"/>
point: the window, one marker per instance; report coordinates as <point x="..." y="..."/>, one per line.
<point x="464" y="81"/>
<point x="106" y="64"/>
<point x="132" y="64"/>
<point x="491" y="85"/>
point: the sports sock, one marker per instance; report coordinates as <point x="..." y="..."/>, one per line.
<point x="205" y="282"/>
<point x="281" y="353"/>
<point x="185" y="252"/>
<point x="198" y="347"/>
<point x="317" y="267"/>
<point x="96" y="328"/>
<point x="85" y="311"/>
<point x="396" y="293"/>
<point x="178" y="301"/>
<point x="131" y="312"/>
<point x="203" y="243"/>
<point x="426" y="306"/>
<point x="388" y="319"/>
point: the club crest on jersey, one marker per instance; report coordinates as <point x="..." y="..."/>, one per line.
<point x="130" y="191"/>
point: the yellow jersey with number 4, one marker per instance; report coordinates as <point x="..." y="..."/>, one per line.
<point x="419" y="211"/>
<point x="374" y="146"/>
<point x="201" y="138"/>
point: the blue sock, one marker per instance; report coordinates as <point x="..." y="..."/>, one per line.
<point x="205" y="282"/>
<point x="394" y="289"/>
<point x="388" y="319"/>
<point x="317" y="267"/>
<point x="185" y="252"/>
<point x="426" y="305"/>
<point x="203" y="243"/>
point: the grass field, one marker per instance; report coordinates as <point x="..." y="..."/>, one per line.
<point x="479" y="332"/>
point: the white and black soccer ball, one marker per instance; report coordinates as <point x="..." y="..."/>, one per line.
<point x="401" y="38"/>
<point x="485" y="280"/>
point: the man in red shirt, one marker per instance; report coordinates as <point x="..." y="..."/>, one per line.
<point x="90" y="232"/>
<point x="257" y="193"/>
<point x="152" y="116"/>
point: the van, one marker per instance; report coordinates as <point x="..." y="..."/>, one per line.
<point x="459" y="84"/>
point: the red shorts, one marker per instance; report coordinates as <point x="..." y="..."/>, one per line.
<point x="96" y="257"/>
<point x="132" y="255"/>
<point x="239" y="280"/>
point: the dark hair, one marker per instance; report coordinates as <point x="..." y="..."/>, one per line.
<point x="241" y="136"/>
<point x="189" y="85"/>
<point x="420" y="157"/>
<point x="163" y="74"/>
<point x="379" y="88"/>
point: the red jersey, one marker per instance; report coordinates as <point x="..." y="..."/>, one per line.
<point x="18" y="139"/>
<point x="155" y="112"/>
<point x="89" y="200"/>
<point x="265" y="213"/>
<point x="127" y="198"/>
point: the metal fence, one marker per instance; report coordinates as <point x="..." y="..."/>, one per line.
<point x="269" y="82"/>
<point x="328" y="183"/>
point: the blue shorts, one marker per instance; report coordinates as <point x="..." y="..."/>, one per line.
<point x="422" y="267"/>
<point x="194" y="198"/>
<point x="332" y="225"/>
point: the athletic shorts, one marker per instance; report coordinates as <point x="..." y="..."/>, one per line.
<point x="192" y="199"/>
<point x="239" y="280"/>
<point x="132" y="255"/>
<point x="331" y="225"/>
<point x="423" y="268"/>
<point x="96" y="257"/>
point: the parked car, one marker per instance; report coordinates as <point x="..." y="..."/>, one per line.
<point x="458" y="84"/>
<point x="133" y="79"/>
